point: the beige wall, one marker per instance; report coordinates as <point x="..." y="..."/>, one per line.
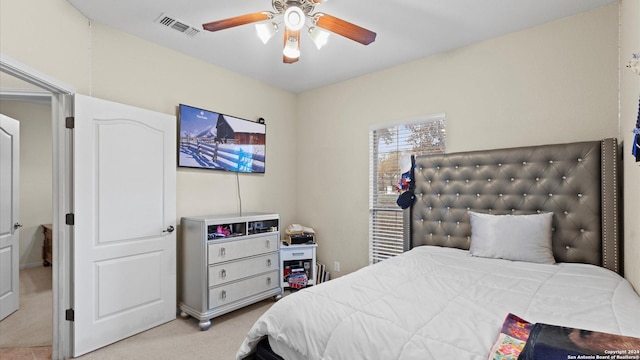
<point x="629" y="93"/>
<point x="550" y="84"/>
<point x="554" y="83"/>
<point x="112" y="65"/>
<point x="35" y="175"/>
<point x="49" y="36"/>
<point x="139" y="78"/>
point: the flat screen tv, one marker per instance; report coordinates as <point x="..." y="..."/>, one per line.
<point x="210" y="140"/>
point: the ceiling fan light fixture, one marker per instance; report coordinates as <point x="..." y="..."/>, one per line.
<point x="291" y="49"/>
<point x="294" y="18"/>
<point x="296" y="14"/>
<point x="319" y="36"/>
<point x="266" y="31"/>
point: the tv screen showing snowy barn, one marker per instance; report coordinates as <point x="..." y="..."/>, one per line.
<point x="210" y="140"/>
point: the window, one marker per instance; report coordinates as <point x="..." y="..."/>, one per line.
<point x="387" y="144"/>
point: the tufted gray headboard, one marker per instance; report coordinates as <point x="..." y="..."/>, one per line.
<point x="578" y="182"/>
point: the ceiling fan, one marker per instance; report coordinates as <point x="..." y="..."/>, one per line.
<point x="296" y="14"/>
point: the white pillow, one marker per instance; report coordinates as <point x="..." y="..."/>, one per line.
<point x="512" y="237"/>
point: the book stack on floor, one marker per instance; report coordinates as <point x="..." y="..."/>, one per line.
<point x="322" y="274"/>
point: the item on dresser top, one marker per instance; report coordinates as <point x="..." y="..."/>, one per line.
<point x="301" y="239"/>
<point x="294" y="229"/>
<point x="298" y="234"/>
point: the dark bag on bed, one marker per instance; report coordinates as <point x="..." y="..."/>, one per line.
<point x="551" y="342"/>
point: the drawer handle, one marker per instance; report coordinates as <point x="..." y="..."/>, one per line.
<point x="268" y="281"/>
<point x="297" y="254"/>
<point x="269" y="262"/>
<point x="267" y="243"/>
<point x="223" y="252"/>
<point x="223" y="273"/>
<point x="223" y="294"/>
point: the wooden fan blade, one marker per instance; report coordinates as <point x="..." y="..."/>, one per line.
<point x="236" y="21"/>
<point x="287" y="34"/>
<point x="345" y="28"/>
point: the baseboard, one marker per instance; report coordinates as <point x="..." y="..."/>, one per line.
<point x="30" y="265"/>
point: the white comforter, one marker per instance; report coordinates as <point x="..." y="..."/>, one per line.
<point x="440" y="303"/>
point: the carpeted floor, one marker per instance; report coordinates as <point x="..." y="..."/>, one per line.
<point x="26" y="353"/>
<point x="24" y="335"/>
<point x="182" y="338"/>
<point x="32" y="323"/>
<point x="27" y="333"/>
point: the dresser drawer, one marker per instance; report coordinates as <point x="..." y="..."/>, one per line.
<point x="227" y="272"/>
<point x="291" y="253"/>
<point x="231" y="250"/>
<point x="225" y="294"/>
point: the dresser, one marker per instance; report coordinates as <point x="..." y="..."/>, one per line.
<point x="226" y="262"/>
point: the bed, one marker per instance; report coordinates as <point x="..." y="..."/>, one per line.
<point x="448" y="296"/>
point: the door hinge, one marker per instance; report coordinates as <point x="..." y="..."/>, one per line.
<point x="69" y="315"/>
<point x="70" y="122"/>
<point x="69" y="219"/>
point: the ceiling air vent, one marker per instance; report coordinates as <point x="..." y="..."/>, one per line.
<point x="177" y="25"/>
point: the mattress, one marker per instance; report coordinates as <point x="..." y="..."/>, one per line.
<point x="434" y="303"/>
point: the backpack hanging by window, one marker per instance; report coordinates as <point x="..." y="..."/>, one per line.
<point x="407" y="198"/>
<point x="636" y="138"/>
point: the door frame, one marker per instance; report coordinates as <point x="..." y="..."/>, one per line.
<point x="61" y="107"/>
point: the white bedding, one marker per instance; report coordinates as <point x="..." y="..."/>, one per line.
<point x="440" y="303"/>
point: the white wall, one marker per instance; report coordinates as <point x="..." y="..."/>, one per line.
<point x="112" y="65"/>
<point x="35" y="176"/>
<point x="629" y="93"/>
<point x="554" y="83"/>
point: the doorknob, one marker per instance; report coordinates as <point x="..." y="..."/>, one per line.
<point x="16" y="226"/>
<point x="169" y="229"/>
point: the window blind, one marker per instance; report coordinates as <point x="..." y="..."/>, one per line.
<point x="387" y="145"/>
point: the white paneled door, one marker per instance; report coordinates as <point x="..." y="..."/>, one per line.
<point x="9" y="211"/>
<point x="124" y="250"/>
